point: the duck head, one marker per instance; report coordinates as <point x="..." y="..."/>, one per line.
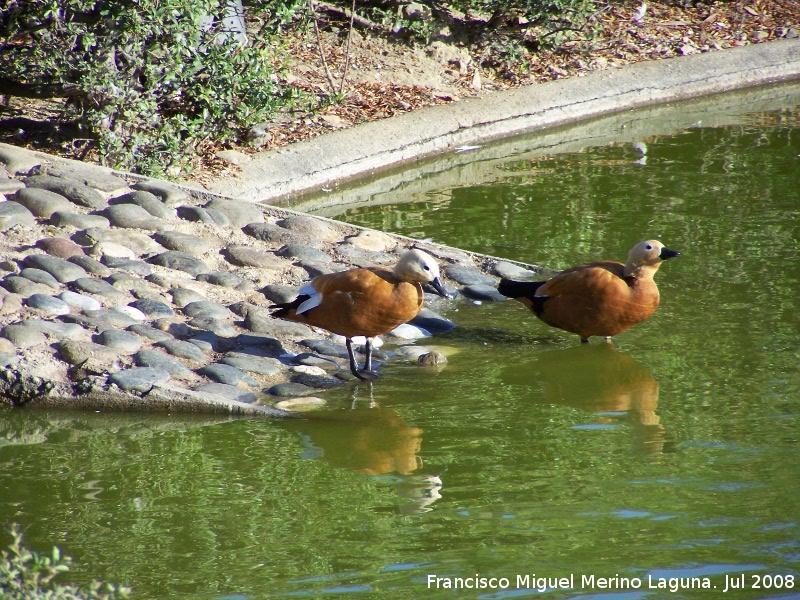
<point x="417" y="266"/>
<point x="647" y="256"/>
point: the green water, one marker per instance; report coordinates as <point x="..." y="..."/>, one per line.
<point x="673" y="453"/>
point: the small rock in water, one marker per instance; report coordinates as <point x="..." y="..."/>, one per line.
<point x="409" y="332"/>
<point x="138" y="379"/>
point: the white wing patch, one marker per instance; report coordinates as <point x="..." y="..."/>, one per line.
<point x="315" y="298"/>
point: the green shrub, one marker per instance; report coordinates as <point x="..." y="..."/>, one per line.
<point x="149" y="83"/>
<point x="27" y="575"/>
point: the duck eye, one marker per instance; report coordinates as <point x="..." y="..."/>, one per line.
<point x="427" y="268"/>
<point x="649" y="247"/>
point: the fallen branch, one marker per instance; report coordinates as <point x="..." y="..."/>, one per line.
<point x="12" y="87"/>
<point x="349" y="14"/>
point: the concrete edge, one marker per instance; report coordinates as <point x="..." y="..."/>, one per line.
<point x="379" y="145"/>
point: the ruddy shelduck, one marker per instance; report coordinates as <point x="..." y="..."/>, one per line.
<point x="364" y="302"/>
<point x="602" y="298"/>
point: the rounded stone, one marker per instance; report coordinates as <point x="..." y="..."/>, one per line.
<point x="94" y="177"/>
<point x="374" y="241"/>
<point x="59" y="247"/>
<point x="216" y="326"/>
<point x="146" y="200"/>
<point x="432" y="321"/>
<point x="182" y="349"/>
<point x="39" y="276"/>
<point x="118" y="340"/>
<point x="311" y="227"/>
<point x="409" y="332"/>
<point x="183" y="296"/>
<point x="151" y="333"/>
<point x="222" y="373"/>
<point x="56" y="329"/>
<point x="132" y="266"/>
<point x="113" y="318"/>
<point x="159" y="360"/>
<point x="80" y="301"/>
<point x="248" y="256"/>
<point x="74" y="352"/>
<point x="290" y="390"/>
<point x="182" y="242"/>
<point x="226" y="280"/>
<point x="304" y="253"/>
<point x="326" y="347"/>
<point x="12" y="214"/>
<point x="153" y="308"/>
<point x="264" y="323"/>
<point x="279" y="292"/>
<point x="468" y="275"/>
<point x="131" y="216"/>
<point x="252" y="364"/>
<point x="207" y="308"/>
<point x="64" y="218"/>
<point x="203" y="215"/>
<point x="24" y="286"/>
<point x="48" y="304"/>
<point x="180" y="261"/>
<point x="320" y="382"/>
<point x="303" y="404"/>
<point x="511" y="271"/>
<point x="138" y="242"/>
<point x="239" y="213"/>
<point x="483" y="292"/>
<point x="75" y="191"/>
<point x="90" y="265"/>
<point x="269" y="232"/>
<point x="432" y="359"/>
<point x="138" y="379"/>
<point x="129" y="311"/>
<point x="42" y="203"/>
<point x="112" y="249"/>
<point x="98" y="287"/>
<point x="170" y="194"/>
<point x="59" y="268"/>
<point x="22" y="336"/>
<point x="228" y="392"/>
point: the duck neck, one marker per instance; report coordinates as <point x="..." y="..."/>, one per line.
<point x="634" y="271"/>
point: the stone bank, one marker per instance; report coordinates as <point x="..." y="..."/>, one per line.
<point x="131" y="294"/>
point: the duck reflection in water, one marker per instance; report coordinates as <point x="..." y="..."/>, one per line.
<point x="599" y="379"/>
<point x="375" y="441"/>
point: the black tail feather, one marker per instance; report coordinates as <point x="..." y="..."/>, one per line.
<point x="519" y="289"/>
<point x="283" y="309"/>
<point x="525" y="292"/>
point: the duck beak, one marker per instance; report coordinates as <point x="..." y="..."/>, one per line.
<point x="437" y="285"/>
<point x="667" y="253"/>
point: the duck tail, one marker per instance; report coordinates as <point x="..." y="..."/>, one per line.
<point x="287" y="309"/>
<point x="519" y="289"/>
<point x="524" y="292"/>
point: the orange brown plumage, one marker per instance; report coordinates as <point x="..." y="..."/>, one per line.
<point x="365" y="301"/>
<point x="602" y="298"/>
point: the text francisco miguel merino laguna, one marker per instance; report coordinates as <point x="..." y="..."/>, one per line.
<point x="673" y="584"/>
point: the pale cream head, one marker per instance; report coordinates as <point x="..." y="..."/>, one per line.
<point x="416" y="265"/>
<point x="647" y="256"/>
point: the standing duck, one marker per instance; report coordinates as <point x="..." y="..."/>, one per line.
<point x="601" y="298"/>
<point x="365" y="301"/>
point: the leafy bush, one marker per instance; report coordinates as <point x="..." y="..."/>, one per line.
<point x="147" y="83"/>
<point x="27" y="575"/>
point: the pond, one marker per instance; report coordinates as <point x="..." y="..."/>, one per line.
<point x="531" y="465"/>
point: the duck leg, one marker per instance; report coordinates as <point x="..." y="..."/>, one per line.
<point x="364" y="374"/>
<point x="368" y="361"/>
